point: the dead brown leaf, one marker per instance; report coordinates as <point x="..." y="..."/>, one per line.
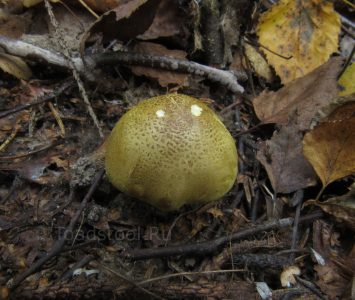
<point x="124" y="22"/>
<point x="164" y="77"/>
<point x="284" y="162"/>
<point x="330" y="146"/>
<point x="334" y="274"/>
<point x="168" y="21"/>
<point x="342" y="208"/>
<point x="303" y="96"/>
<point x="330" y="280"/>
<point x="43" y="170"/>
<point x="14" y="25"/>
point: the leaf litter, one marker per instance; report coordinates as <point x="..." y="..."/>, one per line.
<point x="305" y="133"/>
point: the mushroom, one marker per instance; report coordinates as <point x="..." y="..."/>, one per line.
<point x="171" y="150"/>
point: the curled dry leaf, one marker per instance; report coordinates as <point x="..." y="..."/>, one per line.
<point x="304" y="96"/>
<point x="330" y="146"/>
<point x="164" y="77"/>
<point x="15" y="66"/>
<point x="258" y="62"/>
<point x="284" y="162"/>
<point x="299" y="36"/>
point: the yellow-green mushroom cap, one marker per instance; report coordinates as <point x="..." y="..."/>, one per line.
<point x="171" y="150"/>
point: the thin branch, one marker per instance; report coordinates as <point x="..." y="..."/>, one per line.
<point x="58" y="34"/>
<point x="42" y="99"/>
<point x="226" y="78"/>
<point x="209" y="247"/>
<point x="29" y="51"/>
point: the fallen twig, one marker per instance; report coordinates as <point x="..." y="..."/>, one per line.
<point x="209" y="247"/>
<point x="29" y="51"/>
<point x="42" y="99"/>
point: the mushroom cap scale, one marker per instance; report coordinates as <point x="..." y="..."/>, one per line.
<point x="171" y="150"/>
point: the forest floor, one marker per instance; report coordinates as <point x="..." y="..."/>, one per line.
<point x="280" y="76"/>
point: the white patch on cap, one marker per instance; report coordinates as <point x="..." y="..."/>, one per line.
<point x="160" y="113"/>
<point x="196" y="110"/>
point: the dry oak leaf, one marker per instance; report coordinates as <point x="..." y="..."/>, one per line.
<point x="299" y="36"/>
<point x="347" y="81"/>
<point x="305" y="96"/>
<point x="330" y="146"/>
<point x="284" y="162"/>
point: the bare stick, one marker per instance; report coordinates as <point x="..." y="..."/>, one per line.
<point x="226" y="78"/>
<point x="29" y="51"/>
<point x="209" y="247"/>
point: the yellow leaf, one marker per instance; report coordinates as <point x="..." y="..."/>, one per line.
<point x="15" y="66"/>
<point x="330" y="146"/>
<point x="258" y="62"/>
<point x="305" y="31"/>
<point x="347" y="81"/>
<point x="29" y="3"/>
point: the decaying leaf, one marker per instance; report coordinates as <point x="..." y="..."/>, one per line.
<point x="343" y="207"/>
<point x="347" y="81"/>
<point x="168" y="21"/>
<point x="284" y="162"/>
<point x="331" y="280"/>
<point x="326" y="111"/>
<point x="334" y="274"/>
<point x="303" y="97"/>
<point x="300" y="36"/>
<point x="164" y="77"/>
<point x="258" y="62"/>
<point x="43" y="170"/>
<point x="124" y="22"/>
<point x="14" y="66"/>
<point x="330" y="146"/>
